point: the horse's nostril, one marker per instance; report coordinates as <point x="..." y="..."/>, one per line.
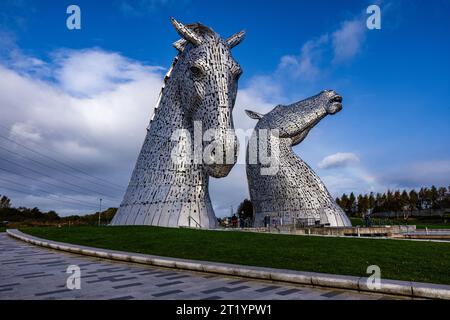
<point x="336" y="99"/>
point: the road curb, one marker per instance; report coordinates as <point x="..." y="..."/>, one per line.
<point x="393" y="287"/>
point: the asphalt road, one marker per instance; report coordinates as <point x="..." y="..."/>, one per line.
<point x="30" y="272"/>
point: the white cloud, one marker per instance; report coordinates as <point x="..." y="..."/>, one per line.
<point x="339" y="160"/>
<point x="101" y="131"/>
<point x="307" y="65"/>
<point x="318" y="54"/>
<point x="94" y="113"/>
<point x="25" y="131"/>
<point x="418" y="174"/>
<point x="348" y="175"/>
<point x="352" y="179"/>
<point x="91" y="72"/>
<point x="347" y="40"/>
<point x="12" y="55"/>
<point x="359" y="179"/>
<point x="263" y="93"/>
<point x="97" y="105"/>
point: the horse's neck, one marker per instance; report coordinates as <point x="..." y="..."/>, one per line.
<point x="306" y="177"/>
<point x="288" y="161"/>
<point x="286" y="151"/>
<point x="291" y="168"/>
<point x="168" y="118"/>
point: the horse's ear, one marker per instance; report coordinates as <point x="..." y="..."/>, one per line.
<point x="185" y="32"/>
<point x="180" y="44"/>
<point x="254" y="115"/>
<point x="235" y="39"/>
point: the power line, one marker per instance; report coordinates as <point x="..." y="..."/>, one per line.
<point x="22" y="192"/>
<point x="57" y="186"/>
<point x="49" y="193"/>
<point x="45" y="175"/>
<point x="43" y="164"/>
<point x="58" y="161"/>
<point x="43" y="182"/>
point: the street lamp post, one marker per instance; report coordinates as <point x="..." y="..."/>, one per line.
<point x="100" y="212"/>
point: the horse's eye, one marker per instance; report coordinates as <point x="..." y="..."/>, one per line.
<point x="196" y="71"/>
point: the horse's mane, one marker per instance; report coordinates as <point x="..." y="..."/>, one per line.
<point x="200" y="29"/>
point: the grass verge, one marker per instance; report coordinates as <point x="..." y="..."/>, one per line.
<point x="418" y="223"/>
<point x="401" y="260"/>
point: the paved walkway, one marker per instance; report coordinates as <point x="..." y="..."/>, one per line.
<point x="30" y="272"/>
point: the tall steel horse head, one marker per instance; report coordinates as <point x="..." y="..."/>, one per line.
<point x="197" y="99"/>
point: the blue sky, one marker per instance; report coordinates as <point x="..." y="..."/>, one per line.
<point x="392" y="133"/>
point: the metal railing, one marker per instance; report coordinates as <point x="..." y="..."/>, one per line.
<point x="197" y="225"/>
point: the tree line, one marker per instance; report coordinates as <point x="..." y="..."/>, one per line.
<point x="22" y="216"/>
<point x="395" y="201"/>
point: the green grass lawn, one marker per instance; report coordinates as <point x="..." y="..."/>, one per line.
<point x="2" y="229"/>
<point x="431" y="226"/>
<point x="419" y="224"/>
<point x="402" y="260"/>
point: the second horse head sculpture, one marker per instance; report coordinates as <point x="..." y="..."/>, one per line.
<point x="293" y="191"/>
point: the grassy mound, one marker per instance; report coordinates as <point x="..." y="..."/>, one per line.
<point x="401" y="260"/>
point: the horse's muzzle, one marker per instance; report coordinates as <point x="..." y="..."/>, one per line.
<point x="223" y="160"/>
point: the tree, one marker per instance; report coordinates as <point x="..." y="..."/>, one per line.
<point x="445" y="202"/>
<point x="397" y="201"/>
<point x="52" y="216"/>
<point x="245" y="210"/>
<point x="351" y="204"/>
<point x="344" y="202"/>
<point x="413" y="201"/>
<point x="434" y="195"/>
<point x="378" y="203"/>
<point x="363" y="205"/>
<point x="35" y="213"/>
<point x="389" y="202"/>
<point x="108" y="215"/>
<point x="5" y="202"/>
<point x="404" y="203"/>
<point x="338" y="201"/>
<point x="371" y="202"/>
<point x="422" y="198"/>
<point x="441" y="192"/>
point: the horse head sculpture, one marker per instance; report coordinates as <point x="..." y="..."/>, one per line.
<point x="198" y="97"/>
<point x="207" y="77"/>
<point x="293" y="192"/>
